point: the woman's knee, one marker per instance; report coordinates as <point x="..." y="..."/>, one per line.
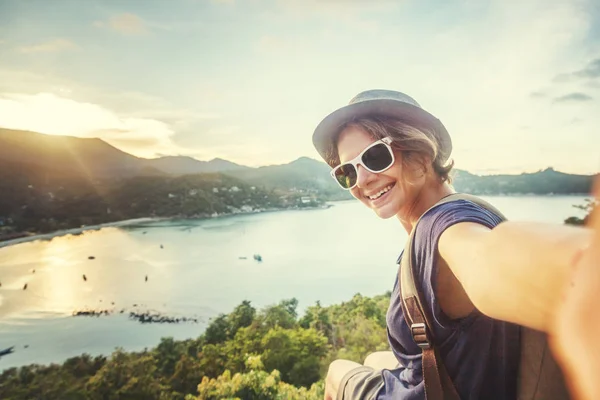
<point x="339" y="368"/>
<point x="381" y="360"/>
<point x="335" y="374"/>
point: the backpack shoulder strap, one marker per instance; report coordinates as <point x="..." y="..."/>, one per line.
<point x="438" y="384"/>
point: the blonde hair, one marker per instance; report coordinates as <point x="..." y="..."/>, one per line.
<point x="415" y="144"/>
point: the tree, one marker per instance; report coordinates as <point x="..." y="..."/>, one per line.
<point x="187" y="375"/>
<point x="212" y="359"/>
<point x="217" y="331"/>
<point x="167" y="354"/>
<point x="255" y="384"/>
<point x="84" y="365"/>
<point x="126" y="375"/>
<point x="247" y="355"/>
<point x="281" y="315"/>
<point x="296" y="353"/>
<point x="589" y="206"/>
<point x="317" y="317"/>
<point x="241" y="317"/>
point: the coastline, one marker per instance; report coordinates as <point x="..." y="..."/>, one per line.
<point x="75" y="231"/>
<point x="134" y="221"/>
<point x="327" y="204"/>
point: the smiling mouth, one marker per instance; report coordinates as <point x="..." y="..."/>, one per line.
<point x="381" y="192"/>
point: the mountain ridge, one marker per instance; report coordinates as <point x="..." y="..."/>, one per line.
<point x="98" y="159"/>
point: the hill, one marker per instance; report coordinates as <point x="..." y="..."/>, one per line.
<point x="44" y="200"/>
<point x="312" y="175"/>
<point x="57" y="182"/>
<point x="70" y="155"/>
<point x="303" y="174"/>
<point x="543" y="182"/>
<point x="183" y="165"/>
<point x="94" y="158"/>
<point x="249" y="353"/>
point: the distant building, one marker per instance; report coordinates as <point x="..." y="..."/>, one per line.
<point x="215" y="190"/>
<point x="246" y="208"/>
<point x="234" y="189"/>
<point x="305" y="199"/>
<point x="172" y="196"/>
<point x="193" y="192"/>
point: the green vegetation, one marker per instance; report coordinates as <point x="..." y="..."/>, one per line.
<point x="304" y="173"/>
<point x="589" y="206"/>
<point x="246" y="354"/>
<point x="543" y="182"/>
<point x="51" y="183"/>
<point x="37" y="200"/>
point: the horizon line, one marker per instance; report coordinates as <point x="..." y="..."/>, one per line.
<point x="550" y="167"/>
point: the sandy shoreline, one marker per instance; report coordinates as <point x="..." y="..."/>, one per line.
<point x="75" y="231"/>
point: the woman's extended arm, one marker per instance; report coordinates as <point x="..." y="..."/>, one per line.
<point x="515" y="272"/>
<point x="576" y="335"/>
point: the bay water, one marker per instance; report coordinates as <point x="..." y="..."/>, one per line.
<point x="198" y="269"/>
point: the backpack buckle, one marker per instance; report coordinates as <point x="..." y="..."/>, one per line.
<point x="420" y="335"/>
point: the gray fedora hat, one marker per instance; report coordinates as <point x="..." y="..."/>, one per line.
<point x="378" y="102"/>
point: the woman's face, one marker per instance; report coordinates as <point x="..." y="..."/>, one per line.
<point x="369" y="186"/>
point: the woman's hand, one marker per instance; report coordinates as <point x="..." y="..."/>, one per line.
<point x="576" y="335"/>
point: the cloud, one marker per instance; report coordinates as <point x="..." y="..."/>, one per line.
<point x="191" y="121"/>
<point x="334" y="6"/>
<point x="575" y="121"/>
<point x="590" y="71"/>
<point x="23" y="81"/>
<point x="52" y="114"/>
<point x="573" y="98"/>
<point x="560" y="78"/>
<point x="270" y="43"/>
<point x="484" y="69"/>
<point x="125" y="24"/>
<point x="227" y="131"/>
<point x="361" y="15"/>
<point x="50" y="46"/>
<point x="537" y="95"/>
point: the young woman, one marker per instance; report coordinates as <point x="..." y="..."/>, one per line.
<point x="479" y="278"/>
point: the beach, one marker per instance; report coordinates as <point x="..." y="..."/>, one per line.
<point x="76" y="231"/>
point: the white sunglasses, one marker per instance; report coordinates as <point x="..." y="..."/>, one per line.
<point x="376" y="158"/>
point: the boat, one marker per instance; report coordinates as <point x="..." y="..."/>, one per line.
<point x="257" y="257"/>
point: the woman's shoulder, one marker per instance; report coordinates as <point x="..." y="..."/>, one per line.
<point x="456" y="210"/>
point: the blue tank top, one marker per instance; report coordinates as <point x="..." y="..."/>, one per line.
<point x="481" y="354"/>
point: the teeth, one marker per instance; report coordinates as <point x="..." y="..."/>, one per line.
<point x="380" y="193"/>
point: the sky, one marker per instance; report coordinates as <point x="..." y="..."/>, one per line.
<point x="516" y="83"/>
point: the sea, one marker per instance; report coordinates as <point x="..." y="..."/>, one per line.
<point x="198" y="269"/>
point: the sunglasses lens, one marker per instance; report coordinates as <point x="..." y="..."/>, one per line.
<point x="377" y="158"/>
<point x="345" y="175"/>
